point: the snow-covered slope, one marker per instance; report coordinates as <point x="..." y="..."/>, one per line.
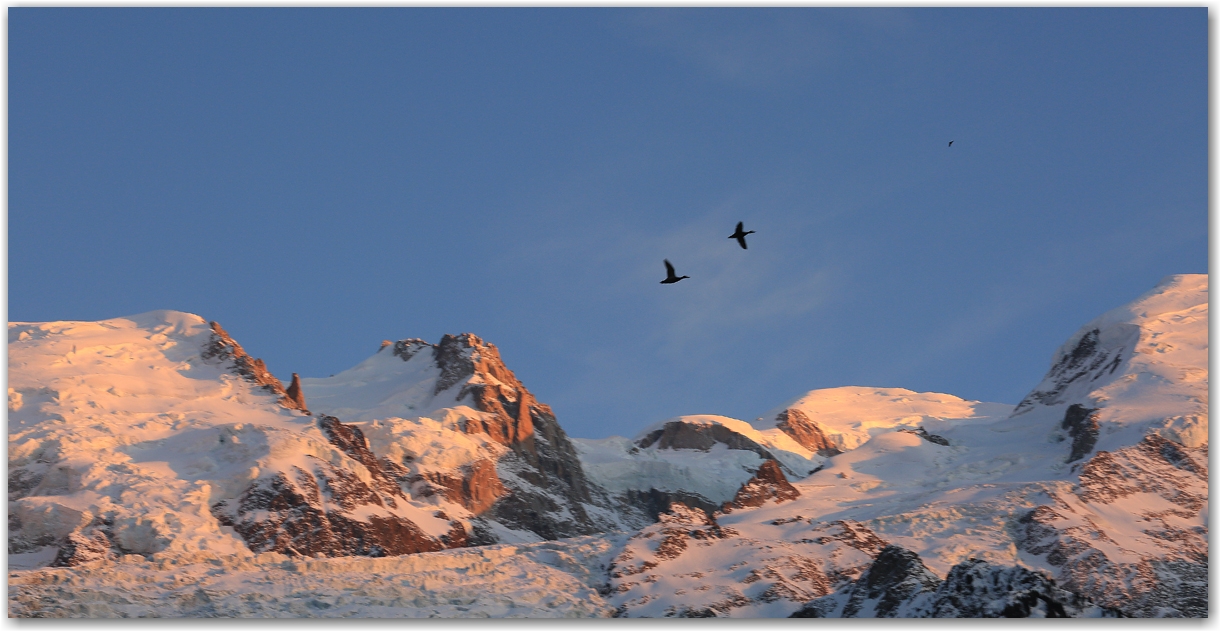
<point x="1141" y="367"/>
<point x="704" y="458"/>
<point x="1098" y="480"/>
<point x="157" y="434"/>
<point x="849" y="416"/>
<point x="552" y="579"/>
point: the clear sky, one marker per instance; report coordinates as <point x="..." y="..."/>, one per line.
<point x="319" y="180"/>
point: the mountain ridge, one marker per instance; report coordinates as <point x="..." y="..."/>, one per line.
<point x="158" y="437"/>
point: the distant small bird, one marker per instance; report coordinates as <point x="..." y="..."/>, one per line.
<point x="740" y="236"/>
<point x="669" y="274"/>
<point x="950" y="143"/>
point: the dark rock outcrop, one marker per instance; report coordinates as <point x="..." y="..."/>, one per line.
<point x="896" y="575"/>
<point x="898" y="585"/>
<point x="923" y="433"/>
<point x="700" y="436"/>
<point x="805" y="432"/>
<point x="1081" y="424"/>
<point x="1169" y="578"/>
<point x="978" y="589"/>
<point x="406" y="349"/>
<point x="1088" y="361"/>
<point x="81" y="548"/>
<point x="655" y="502"/>
<point x="768" y="483"/>
<point x="311" y="512"/>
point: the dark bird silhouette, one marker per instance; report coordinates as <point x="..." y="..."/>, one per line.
<point x="669" y="274"/>
<point x="950" y="143"/>
<point x="740" y="236"/>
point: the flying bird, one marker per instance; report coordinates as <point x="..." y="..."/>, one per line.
<point x="740" y="236"/>
<point x="669" y="274"/>
<point x="950" y="143"/>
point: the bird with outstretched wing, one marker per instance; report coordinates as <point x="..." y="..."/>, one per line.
<point x="670" y="277"/>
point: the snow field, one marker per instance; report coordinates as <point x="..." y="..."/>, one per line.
<point x="554" y="579"/>
<point x="851" y="415"/>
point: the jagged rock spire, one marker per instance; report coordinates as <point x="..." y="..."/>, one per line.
<point x="295" y="395"/>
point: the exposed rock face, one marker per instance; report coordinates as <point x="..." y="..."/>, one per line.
<point x="898" y="585"/>
<point x="481" y="487"/>
<point x="978" y="589"/>
<point x="314" y="510"/>
<point x="1081" y="424"/>
<point x="323" y="509"/>
<point x="81" y="548"/>
<point x="1167" y="577"/>
<point x="777" y="574"/>
<point x="923" y="433"/>
<point x="295" y="395"/>
<point x="805" y="432"/>
<point x="496" y="390"/>
<point x="1088" y="361"/>
<point x="223" y="349"/>
<point x="475" y="489"/>
<point x="896" y="575"/>
<point x="289" y="514"/>
<point x="853" y="534"/>
<point x="655" y="502"/>
<point x="674" y="530"/>
<point x="679" y="435"/>
<point x="539" y="485"/>
<point x="768" y="483"/>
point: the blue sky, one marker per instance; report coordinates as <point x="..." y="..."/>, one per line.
<point x="319" y="180"/>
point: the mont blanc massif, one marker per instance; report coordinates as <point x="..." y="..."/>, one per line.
<point x="157" y="468"/>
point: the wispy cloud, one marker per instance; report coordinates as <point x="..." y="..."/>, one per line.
<point x="766" y="46"/>
<point x="746" y="48"/>
<point x="731" y="289"/>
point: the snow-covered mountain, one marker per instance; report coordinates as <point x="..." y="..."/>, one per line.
<point x="148" y="453"/>
<point x="1097" y="480"/>
<point x="159" y="433"/>
<point x="703" y="460"/>
<point x="471" y="440"/>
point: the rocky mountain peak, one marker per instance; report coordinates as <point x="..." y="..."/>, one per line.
<point x="805" y="432"/>
<point x="682" y="434"/>
<point x="538" y="485"/>
<point x="1084" y="361"/>
<point x="768" y="483"/>
<point x="406" y="349"/>
<point x="221" y="348"/>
